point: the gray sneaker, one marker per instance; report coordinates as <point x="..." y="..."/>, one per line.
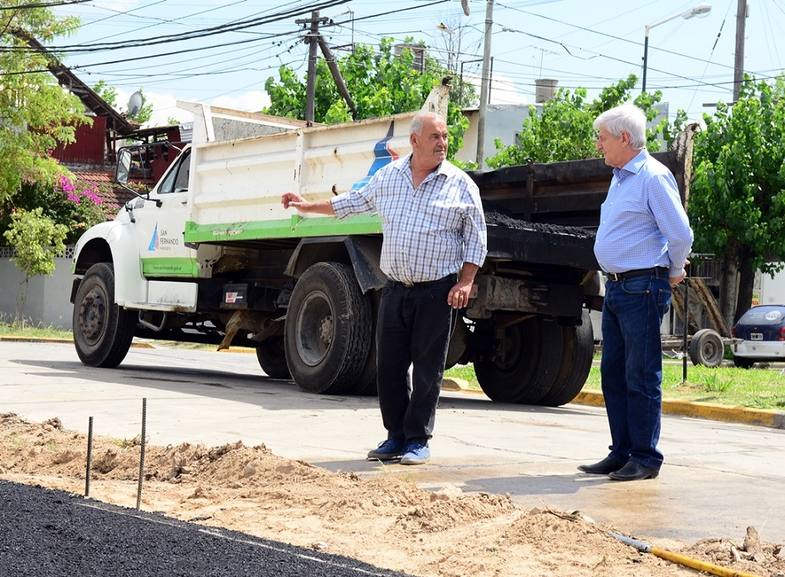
<point x="416" y="453"/>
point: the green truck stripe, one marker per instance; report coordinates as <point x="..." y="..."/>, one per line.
<point x="296" y="227"/>
<point x="170" y="266"/>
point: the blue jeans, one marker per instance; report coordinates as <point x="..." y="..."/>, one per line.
<point x="631" y="366"/>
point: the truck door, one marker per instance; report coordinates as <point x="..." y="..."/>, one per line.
<point x="160" y="225"/>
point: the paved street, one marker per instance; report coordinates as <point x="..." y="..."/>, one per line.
<point x="718" y="477"/>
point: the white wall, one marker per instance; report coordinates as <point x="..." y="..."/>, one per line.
<point x="47" y="301"/>
<point x="772" y="290"/>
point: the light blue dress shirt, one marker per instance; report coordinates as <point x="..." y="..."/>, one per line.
<point x="428" y="232"/>
<point x="642" y="221"/>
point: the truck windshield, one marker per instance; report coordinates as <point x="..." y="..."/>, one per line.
<point x="176" y="179"/>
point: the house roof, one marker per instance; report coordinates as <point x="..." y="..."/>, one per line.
<point x="112" y="195"/>
<point x="86" y="94"/>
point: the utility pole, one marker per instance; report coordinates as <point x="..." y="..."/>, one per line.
<point x="333" y="66"/>
<point x="312" y="40"/>
<point x="485" y="84"/>
<point x="738" y="65"/>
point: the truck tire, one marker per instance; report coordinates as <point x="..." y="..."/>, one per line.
<point x="743" y="363"/>
<point x="577" y="355"/>
<point x="103" y="331"/>
<point x="327" y="335"/>
<point x="706" y="348"/>
<point x="525" y="363"/>
<point x="272" y="358"/>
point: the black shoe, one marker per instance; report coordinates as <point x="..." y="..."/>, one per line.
<point x="608" y="465"/>
<point x="633" y="471"/>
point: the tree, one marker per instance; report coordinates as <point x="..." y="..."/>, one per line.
<point x="380" y="83"/>
<point x="563" y="130"/>
<point x="109" y="95"/>
<point x="737" y="197"/>
<point x="37" y="240"/>
<point x="35" y="113"/>
<point x="70" y="202"/>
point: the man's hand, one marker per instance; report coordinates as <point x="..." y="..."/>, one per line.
<point x="674" y="280"/>
<point x="458" y="296"/>
<point x="291" y="199"/>
<point x="317" y="206"/>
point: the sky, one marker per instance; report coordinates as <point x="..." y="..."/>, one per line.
<point x="580" y="43"/>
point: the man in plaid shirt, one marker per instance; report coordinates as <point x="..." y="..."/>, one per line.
<point x="434" y="242"/>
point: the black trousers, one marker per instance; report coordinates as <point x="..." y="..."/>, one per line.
<point x="413" y="328"/>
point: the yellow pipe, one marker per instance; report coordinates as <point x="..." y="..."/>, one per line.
<point x="697" y="564"/>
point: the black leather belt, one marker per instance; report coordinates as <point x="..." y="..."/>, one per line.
<point x="657" y="272"/>
<point x="449" y="278"/>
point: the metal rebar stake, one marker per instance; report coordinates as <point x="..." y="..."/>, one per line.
<point x="89" y="456"/>
<point x="141" y="455"/>
<point x="686" y="329"/>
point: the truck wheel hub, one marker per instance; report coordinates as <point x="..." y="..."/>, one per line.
<point x="314" y="328"/>
<point x="92" y="315"/>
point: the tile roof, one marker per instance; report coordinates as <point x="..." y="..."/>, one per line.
<point x="113" y="195"/>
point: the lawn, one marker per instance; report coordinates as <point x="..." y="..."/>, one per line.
<point x="759" y="388"/>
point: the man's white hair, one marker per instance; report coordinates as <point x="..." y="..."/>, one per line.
<point x="625" y="118"/>
<point x="419" y="119"/>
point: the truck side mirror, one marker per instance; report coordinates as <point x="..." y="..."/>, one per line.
<point x="123" y="166"/>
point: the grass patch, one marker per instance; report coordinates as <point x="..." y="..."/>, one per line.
<point x="757" y="388"/>
<point x="27" y="329"/>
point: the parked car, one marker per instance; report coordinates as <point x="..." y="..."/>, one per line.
<point x="761" y="331"/>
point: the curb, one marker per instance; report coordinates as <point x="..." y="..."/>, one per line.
<point x="12" y="339"/>
<point x="709" y="411"/>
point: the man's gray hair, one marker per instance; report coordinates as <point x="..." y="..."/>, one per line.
<point x="416" y="126"/>
<point x="625" y="118"/>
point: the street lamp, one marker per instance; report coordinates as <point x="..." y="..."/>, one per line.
<point x="699" y="10"/>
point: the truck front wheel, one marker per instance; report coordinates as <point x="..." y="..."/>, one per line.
<point x="102" y="330"/>
<point x="328" y="330"/>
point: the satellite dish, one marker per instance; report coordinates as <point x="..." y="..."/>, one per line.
<point x="135" y="103"/>
<point x="465" y="6"/>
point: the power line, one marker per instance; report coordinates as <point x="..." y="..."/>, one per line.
<point x="680" y="54"/>
<point x="43" y="5"/>
<point x="200" y="33"/>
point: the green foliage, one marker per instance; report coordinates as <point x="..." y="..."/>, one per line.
<point x="75" y="205"/>
<point x="35" y="113"/>
<point x="737" y="197"/>
<point x="379" y="83"/>
<point x="37" y="239"/>
<point x="107" y="92"/>
<point x="563" y="130"/>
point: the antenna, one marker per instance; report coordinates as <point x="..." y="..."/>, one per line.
<point x="135" y="103"/>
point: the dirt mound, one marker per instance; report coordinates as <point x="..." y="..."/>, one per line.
<point x="385" y="521"/>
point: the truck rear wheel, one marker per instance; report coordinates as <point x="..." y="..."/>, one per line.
<point x="102" y="330"/>
<point x="524" y="364"/>
<point x="328" y="330"/>
<point x="577" y="355"/>
<point x="272" y="358"/>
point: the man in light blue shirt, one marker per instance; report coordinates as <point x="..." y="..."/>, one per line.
<point x="642" y="244"/>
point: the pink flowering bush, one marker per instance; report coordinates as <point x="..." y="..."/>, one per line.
<point x="72" y="203"/>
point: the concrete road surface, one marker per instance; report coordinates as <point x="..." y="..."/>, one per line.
<point x="718" y="478"/>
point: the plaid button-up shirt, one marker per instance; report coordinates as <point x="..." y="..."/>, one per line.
<point x="429" y="232"/>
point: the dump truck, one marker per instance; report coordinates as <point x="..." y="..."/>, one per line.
<point x="210" y="255"/>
